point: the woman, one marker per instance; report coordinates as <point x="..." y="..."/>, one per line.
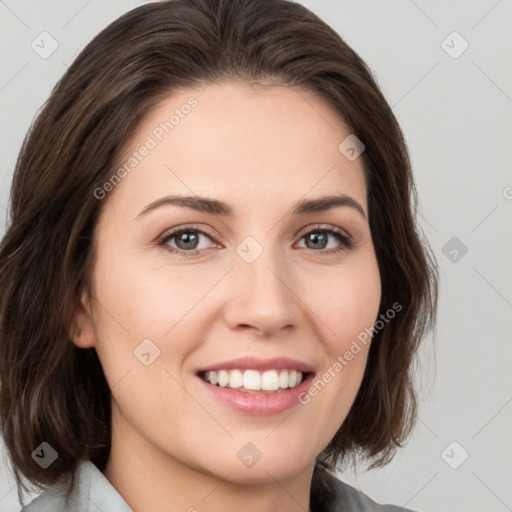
<point x="213" y="286"/>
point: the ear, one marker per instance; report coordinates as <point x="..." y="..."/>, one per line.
<point x="82" y="332"/>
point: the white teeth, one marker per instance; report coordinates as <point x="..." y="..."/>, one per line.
<point x="253" y="380"/>
<point x="213" y="377"/>
<point x="283" y="379"/>
<point x="223" y="378"/>
<point x="270" y="380"/>
<point x="236" y="379"/>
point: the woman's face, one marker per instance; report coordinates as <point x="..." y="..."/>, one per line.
<point x="259" y="287"/>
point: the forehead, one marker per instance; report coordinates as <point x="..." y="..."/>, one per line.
<point x="237" y="141"/>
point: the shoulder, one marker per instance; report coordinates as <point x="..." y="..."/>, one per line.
<point x="91" y="492"/>
<point x="53" y="499"/>
<point x="350" y="499"/>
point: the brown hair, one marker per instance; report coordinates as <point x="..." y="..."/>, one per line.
<point x="53" y="391"/>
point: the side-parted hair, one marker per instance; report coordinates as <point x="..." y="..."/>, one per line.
<point x="52" y="391"/>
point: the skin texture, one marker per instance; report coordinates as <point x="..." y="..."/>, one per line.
<point x="260" y="150"/>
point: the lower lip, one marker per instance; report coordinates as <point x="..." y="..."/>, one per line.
<point x="258" y="404"/>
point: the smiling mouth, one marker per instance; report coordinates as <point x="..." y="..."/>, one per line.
<point x="254" y="381"/>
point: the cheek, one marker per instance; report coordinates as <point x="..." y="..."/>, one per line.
<point x="348" y="302"/>
<point x="147" y="298"/>
<point x="140" y="302"/>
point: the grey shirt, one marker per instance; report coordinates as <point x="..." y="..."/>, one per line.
<point x="93" y="493"/>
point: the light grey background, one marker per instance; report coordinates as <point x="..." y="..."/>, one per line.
<point x="457" y="117"/>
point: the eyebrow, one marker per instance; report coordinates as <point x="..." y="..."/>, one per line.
<point x="217" y="207"/>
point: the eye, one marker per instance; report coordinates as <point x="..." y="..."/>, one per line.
<point x="186" y="240"/>
<point x="318" y="238"/>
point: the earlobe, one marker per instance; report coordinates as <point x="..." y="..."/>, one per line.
<point x="82" y="332"/>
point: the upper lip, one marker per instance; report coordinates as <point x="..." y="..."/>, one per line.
<point x="251" y="363"/>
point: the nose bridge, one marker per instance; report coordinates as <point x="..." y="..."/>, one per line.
<point x="259" y="266"/>
<point x="261" y="292"/>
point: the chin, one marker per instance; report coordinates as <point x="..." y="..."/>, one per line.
<point x="250" y="466"/>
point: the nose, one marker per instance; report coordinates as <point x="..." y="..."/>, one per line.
<point x="261" y="296"/>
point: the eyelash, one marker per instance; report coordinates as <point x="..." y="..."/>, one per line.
<point x="347" y="242"/>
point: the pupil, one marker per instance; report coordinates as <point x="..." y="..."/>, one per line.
<point x="314" y="237"/>
<point x="185" y="237"/>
